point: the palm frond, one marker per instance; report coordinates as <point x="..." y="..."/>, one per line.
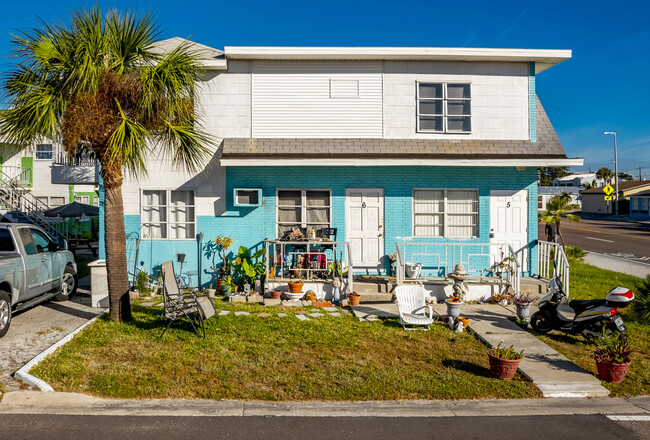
<point x="130" y="39"/>
<point x="128" y="146"/>
<point x="186" y="145"/>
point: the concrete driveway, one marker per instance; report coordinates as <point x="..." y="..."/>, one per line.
<point x="35" y="329"/>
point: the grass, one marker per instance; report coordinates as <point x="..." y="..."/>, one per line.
<point x="590" y="282"/>
<point x="275" y="358"/>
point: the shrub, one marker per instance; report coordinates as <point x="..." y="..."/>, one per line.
<point x="640" y="308"/>
<point x="142" y="282"/>
<point x="575" y="253"/>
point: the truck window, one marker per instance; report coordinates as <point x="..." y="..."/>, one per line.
<point x="41" y="240"/>
<point x="28" y="242"/>
<point x="6" y="243"/>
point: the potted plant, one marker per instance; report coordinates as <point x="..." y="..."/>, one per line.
<point x="453" y="307"/>
<point x="523" y="302"/>
<point x="354" y="298"/>
<point x="612" y="357"/>
<point x="226" y="285"/>
<point x="296" y="286"/>
<point x="276" y="294"/>
<point x="504" y="362"/>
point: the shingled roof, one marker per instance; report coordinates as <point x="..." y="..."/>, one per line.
<point x="547" y="146"/>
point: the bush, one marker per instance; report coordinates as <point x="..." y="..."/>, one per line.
<point x="575" y="253"/>
<point x="640" y="308"/>
<point x="142" y="282"/>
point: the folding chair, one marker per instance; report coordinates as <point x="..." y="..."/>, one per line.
<point x="197" y="309"/>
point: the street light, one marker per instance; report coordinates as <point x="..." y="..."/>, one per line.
<point x="615" y="168"/>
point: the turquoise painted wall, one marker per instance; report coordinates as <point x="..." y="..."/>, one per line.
<point x="249" y="226"/>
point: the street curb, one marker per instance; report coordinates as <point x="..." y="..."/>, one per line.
<point x="72" y="404"/>
<point x="23" y="373"/>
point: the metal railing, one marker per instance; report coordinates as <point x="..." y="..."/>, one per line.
<point x="63" y="158"/>
<point x="547" y="253"/>
<point x="277" y="250"/>
<point x="19" y="175"/>
<point x="441" y="258"/>
<point x="15" y="197"/>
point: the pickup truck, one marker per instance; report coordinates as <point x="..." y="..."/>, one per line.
<point x="32" y="270"/>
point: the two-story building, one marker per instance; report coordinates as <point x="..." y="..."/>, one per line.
<point x="385" y="145"/>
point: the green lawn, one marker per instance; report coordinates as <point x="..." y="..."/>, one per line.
<point x="590" y="282"/>
<point x="276" y="358"/>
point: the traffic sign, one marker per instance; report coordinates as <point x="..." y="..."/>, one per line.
<point x="608" y="198"/>
<point x="608" y="190"/>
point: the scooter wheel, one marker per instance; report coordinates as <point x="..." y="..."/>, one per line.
<point x="539" y="323"/>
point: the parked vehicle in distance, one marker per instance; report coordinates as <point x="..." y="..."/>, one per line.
<point x="32" y="270"/>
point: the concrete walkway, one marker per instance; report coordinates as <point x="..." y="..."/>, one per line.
<point x="552" y="373"/>
<point x="621" y="265"/>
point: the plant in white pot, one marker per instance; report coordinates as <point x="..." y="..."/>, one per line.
<point x="523" y="302"/>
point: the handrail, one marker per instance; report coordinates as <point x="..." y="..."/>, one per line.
<point x="454" y="253"/>
<point x="78" y="160"/>
<point x="309" y="244"/>
<point x="547" y="253"/>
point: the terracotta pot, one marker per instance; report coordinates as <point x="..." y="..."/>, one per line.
<point x="311" y="297"/>
<point x="354" y="300"/>
<point x="464" y="320"/>
<point x="218" y="289"/>
<point x="295" y="287"/>
<point x="276" y="294"/>
<point x="612" y="372"/>
<point x="503" y="368"/>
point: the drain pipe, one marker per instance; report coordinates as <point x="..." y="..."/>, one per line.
<point x="200" y="259"/>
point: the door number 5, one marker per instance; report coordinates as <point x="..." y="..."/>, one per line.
<point x="508" y="205"/>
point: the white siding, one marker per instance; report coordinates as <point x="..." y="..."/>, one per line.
<point x="317" y="99"/>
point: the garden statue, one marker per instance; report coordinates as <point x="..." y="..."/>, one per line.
<point x="336" y="293"/>
<point x="459" y="276"/>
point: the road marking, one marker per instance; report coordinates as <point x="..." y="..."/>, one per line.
<point x="630" y="418"/>
<point x="608" y="233"/>
<point x="600" y="239"/>
<point x="619" y="258"/>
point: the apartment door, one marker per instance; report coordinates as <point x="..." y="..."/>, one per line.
<point x="364" y="228"/>
<point x="509" y="224"/>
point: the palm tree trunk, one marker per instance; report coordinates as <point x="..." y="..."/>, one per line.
<point x="115" y="241"/>
<point x="559" y="234"/>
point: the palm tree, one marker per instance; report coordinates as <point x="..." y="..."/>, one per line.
<point x="606" y="174"/>
<point x="98" y="80"/>
<point x="558" y="208"/>
<point x="588" y="185"/>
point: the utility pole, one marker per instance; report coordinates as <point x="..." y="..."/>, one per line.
<point x="615" y="168"/>
<point x="640" y="174"/>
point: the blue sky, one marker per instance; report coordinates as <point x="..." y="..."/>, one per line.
<point x="604" y="87"/>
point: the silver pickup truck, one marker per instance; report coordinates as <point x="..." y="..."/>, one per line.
<point x="32" y="270"/>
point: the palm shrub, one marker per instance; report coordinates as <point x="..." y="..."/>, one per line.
<point x="640" y="308"/>
<point x="97" y="81"/>
<point x="557" y="209"/>
<point x="575" y="253"/>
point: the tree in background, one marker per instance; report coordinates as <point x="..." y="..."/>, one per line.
<point x="545" y="175"/>
<point x="98" y="80"/>
<point x="606" y="174"/>
<point x="588" y="185"/>
<point x="625" y="176"/>
<point x="558" y="208"/>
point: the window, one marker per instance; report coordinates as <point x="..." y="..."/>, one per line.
<point x="168" y="214"/>
<point x="6" y="243"/>
<point x="444" y="108"/>
<point x="540" y="202"/>
<point x="28" y="242"/>
<point x="445" y="213"/>
<point x="44" y="151"/>
<point x="82" y="199"/>
<point x="303" y="209"/>
<point x="42" y="241"/>
<point x="644" y="205"/>
<point x="57" y="201"/>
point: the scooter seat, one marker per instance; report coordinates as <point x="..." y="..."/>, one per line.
<point x="580" y="305"/>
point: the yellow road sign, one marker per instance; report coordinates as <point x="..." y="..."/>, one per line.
<point x="608" y="190"/>
<point x="608" y="197"/>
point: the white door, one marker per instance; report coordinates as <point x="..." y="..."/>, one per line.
<point x="364" y="228"/>
<point x="509" y="224"/>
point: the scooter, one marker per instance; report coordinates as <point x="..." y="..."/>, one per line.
<point x="592" y="317"/>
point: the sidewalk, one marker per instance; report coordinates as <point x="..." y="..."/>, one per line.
<point x="617" y="264"/>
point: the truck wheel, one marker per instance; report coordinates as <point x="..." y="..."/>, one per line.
<point x="68" y="286"/>
<point x="539" y="324"/>
<point x="5" y="313"/>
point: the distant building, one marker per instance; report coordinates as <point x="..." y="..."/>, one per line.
<point x="545" y="193"/>
<point x="593" y="200"/>
<point x="577" y="180"/>
<point x="639" y="205"/>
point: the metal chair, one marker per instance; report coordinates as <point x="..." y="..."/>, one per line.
<point x="197" y="309"/>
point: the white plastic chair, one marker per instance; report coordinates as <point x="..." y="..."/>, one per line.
<point x="412" y="307"/>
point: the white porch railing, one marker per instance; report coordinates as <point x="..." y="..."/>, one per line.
<point x="547" y="252"/>
<point x="441" y="258"/>
<point x="277" y="250"/>
<point x="18" y="175"/>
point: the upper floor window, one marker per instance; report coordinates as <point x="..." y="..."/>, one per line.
<point x="44" y="151"/>
<point x="444" y="108"/>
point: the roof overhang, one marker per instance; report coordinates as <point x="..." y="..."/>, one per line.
<point x="543" y="58"/>
<point x="389" y="162"/>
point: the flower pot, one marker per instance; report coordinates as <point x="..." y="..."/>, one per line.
<point x="310" y="297"/>
<point x="453" y="308"/>
<point x="296" y="287"/>
<point x="225" y="289"/>
<point x="612" y="372"/>
<point x="464" y="320"/>
<point x="354" y="300"/>
<point x="211" y="293"/>
<point x="276" y="294"/>
<point x="503" y="368"/>
<point x="523" y="311"/>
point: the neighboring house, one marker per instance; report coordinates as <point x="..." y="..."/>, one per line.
<point x="593" y="200"/>
<point x="639" y="204"/>
<point x="545" y="193"/>
<point x="578" y="179"/>
<point x="387" y="145"/>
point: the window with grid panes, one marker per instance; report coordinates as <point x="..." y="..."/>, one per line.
<point x="168" y="214"/>
<point x="307" y="209"/>
<point x="445" y="213"/>
<point x="444" y="108"/>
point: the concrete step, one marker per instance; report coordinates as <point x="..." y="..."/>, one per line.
<point x="375" y="297"/>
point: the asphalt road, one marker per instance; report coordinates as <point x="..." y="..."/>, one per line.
<point x="574" y="427"/>
<point x="628" y="241"/>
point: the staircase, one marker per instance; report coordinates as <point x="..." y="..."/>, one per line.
<point x="19" y="205"/>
